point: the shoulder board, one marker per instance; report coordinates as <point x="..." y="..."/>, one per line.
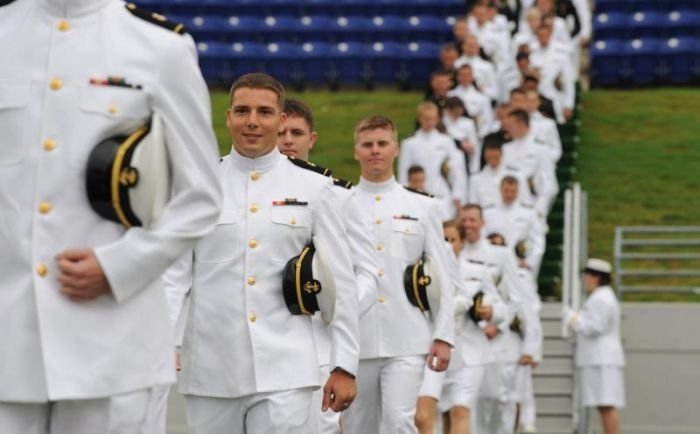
<point x="310" y="166"/>
<point x="342" y="183"/>
<point x="5" y="2"/>
<point x="156" y="19"/>
<point x="413" y="190"/>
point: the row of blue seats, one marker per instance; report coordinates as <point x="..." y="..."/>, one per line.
<point x="313" y="27"/>
<point x="325" y="7"/>
<point x="647" y="23"/>
<point x="631" y="6"/>
<point x="321" y="62"/>
<point x="645" y="61"/>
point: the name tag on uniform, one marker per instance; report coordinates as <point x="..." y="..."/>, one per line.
<point x="114" y="81"/>
<point x="289" y="202"/>
<point x="405" y="217"/>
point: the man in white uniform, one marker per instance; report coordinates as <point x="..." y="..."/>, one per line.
<point x="396" y="335"/>
<point x="485" y="185"/>
<point x="85" y="327"/>
<point x="249" y="365"/>
<point x="517" y="223"/>
<point x="484" y="71"/>
<point x="296" y="139"/>
<point x="463" y="130"/>
<point x="599" y="355"/>
<point x="478" y="105"/>
<point x="543" y="128"/>
<point x="437" y="154"/>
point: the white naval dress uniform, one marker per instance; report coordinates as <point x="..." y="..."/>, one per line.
<point x="395" y="335"/>
<point x="485" y="185"/>
<point x="484" y="75"/>
<point x="534" y="164"/>
<point x="364" y="259"/>
<point x="248" y="365"/>
<point x="599" y="355"/>
<point x="478" y="106"/>
<point x="546" y="133"/>
<point x="516" y="223"/>
<point x="463" y="129"/>
<point x="89" y="366"/>
<point x="556" y="75"/>
<point x="496" y="404"/>
<point x="430" y="150"/>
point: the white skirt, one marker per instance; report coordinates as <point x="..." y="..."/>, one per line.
<point x="602" y="386"/>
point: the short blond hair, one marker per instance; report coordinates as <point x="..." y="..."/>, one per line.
<point x="376" y="123"/>
<point x="427" y="105"/>
<point x="259" y="80"/>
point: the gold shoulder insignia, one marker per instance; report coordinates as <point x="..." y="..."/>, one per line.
<point x="414" y="190"/>
<point x="342" y="183"/>
<point x="156" y="19"/>
<point x="5" y="2"/>
<point x="310" y="166"/>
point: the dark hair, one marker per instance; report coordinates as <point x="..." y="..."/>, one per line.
<point x="492" y="143"/>
<point x="475" y="206"/>
<point x="299" y="109"/>
<point x="440" y="73"/>
<point x="520" y="115"/>
<point x="509" y="179"/>
<point x="259" y="80"/>
<point x="496" y="239"/>
<point x="522" y="55"/>
<point x="454" y="102"/>
<point x="604" y="279"/>
<point x="455" y="225"/>
<point x="413" y="170"/>
<point x="517" y="90"/>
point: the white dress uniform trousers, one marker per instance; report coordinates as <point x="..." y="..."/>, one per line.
<point x="241" y="342"/>
<point x="599" y="355"/>
<point x="395" y="336"/>
<point x="436" y="152"/>
<point x="58" y="353"/>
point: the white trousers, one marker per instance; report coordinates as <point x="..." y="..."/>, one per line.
<point x="321" y="422"/>
<point x="528" y="409"/>
<point x="126" y="413"/>
<point x="496" y="407"/>
<point x="284" y="412"/>
<point x="387" y="390"/>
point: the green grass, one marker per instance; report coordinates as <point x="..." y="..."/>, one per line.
<point x="639" y="162"/>
<point x="335" y="116"/>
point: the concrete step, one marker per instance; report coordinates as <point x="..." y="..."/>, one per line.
<point x="554" y="403"/>
<point x="551" y="328"/>
<point x="550" y="309"/>
<point x="555" y="365"/>
<point x="557" y="347"/>
<point x="554" y="423"/>
<point x="547" y="385"/>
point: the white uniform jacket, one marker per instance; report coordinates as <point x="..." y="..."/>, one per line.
<point x="534" y="164"/>
<point x="517" y="223"/>
<point x="485" y="185"/>
<point x="406" y="225"/>
<point x="546" y="133"/>
<point x="484" y="74"/>
<point x="463" y="129"/>
<point x="240" y="338"/>
<point x="556" y="75"/>
<point x="471" y="345"/>
<point x="597" y="327"/>
<point x="478" y="106"/>
<point x="364" y="259"/>
<point x="431" y="150"/>
<point x="51" y="117"/>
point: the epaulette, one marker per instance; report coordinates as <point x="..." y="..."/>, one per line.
<point x="156" y="19"/>
<point x="5" y="2"/>
<point x="310" y="166"/>
<point x="413" y="190"/>
<point x="342" y="183"/>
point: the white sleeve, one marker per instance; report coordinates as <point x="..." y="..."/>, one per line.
<point x="594" y="319"/>
<point x="583" y="10"/>
<point x="344" y="328"/>
<point x="177" y="283"/>
<point x="363" y="254"/>
<point x="194" y="207"/>
<point x="511" y="283"/>
<point x="547" y="186"/>
<point x="458" y="175"/>
<point x="405" y="161"/>
<point x="555" y="142"/>
<point x="536" y="242"/>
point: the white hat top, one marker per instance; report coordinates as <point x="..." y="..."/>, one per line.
<point x="599" y="265"/>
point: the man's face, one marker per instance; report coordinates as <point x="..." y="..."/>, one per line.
<point x="454" y="112"/>
<point x="416" y="181"/>
<point x="448" y="57"/>
<point x="452" y="237"/>
<point x="428" y="119"/>
<point x="509" y="192"/>
<point x="376" y="151"/>
<point x="440" y="85"/>
<point x="460" y="30"/>
<point x="481" y="13"/>
<point x="465" y="77"/>
<point x="254" y="119"/>
<point x="517" y="101"/>
<point x="532" y="101"/>
<point x="296" y="139"/>
<point x="493" y="157"/>
<point x="472" y="222"/>
<point x="545" y="6"/>
<point x="543" y="34"/>
<point x="515" y="128"/>
<point x="471" y="46"/>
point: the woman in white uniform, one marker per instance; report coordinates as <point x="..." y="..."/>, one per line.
<point x="599" y="356"/>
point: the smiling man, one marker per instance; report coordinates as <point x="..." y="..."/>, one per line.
<point x="248" y="364"/>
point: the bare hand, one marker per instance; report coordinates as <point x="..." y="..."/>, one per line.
<point x="178" y="363"/>
<point x="584" y="42"/>
<point x="439" y="356"/>
<point x="81" y="275"/>
<point x="339" y="392"/>
<point x="526" y="360"/>
<point x="485" y="312"/>
<point x="568" y="113"/>
<point x="467" y="147"/>
<point x="491" y="331"/>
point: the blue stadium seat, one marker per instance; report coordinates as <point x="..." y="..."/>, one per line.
<point x="680" y="60"/>
<point x="283" y="61"/>
<point x="389" y="26"/>
<point x="418" y="63"/>
<point x="280" y="24"/>
<point x="683" y="23"/>
<point x="350" y="28"/>
<point x="221" y="63"/>
<point x="643" y="56"/>
<point x="351" y="63"/>
<point x="607" y="62"/>
<point x="611" y="25"/>
<point x="386" y="56"/>
<point x="207" y="27"/>
<point x="647" y="24"/>
<point x="243" y="27"/>
<point x="315" y="27"/>
<point x="613" y="6"/>
<point x="316" y="56"/>
<point x="429" y="28"/>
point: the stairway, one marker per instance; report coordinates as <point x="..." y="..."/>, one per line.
<point x="554" y="378"/>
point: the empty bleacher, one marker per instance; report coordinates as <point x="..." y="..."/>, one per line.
<point x="317" y="42"/>
<point x="642" y="43"/>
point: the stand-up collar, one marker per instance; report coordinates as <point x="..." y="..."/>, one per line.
<point x="72" y="8"/>
<point x="377" y="187"/>
<point x="261" y="164"/>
